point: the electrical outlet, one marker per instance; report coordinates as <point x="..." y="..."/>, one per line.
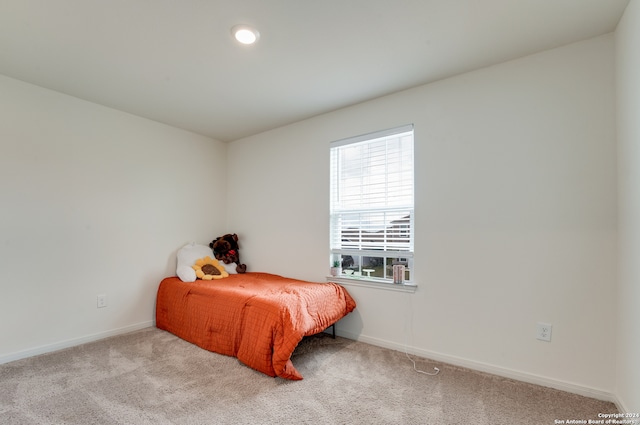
<point x="544" y="332"/>
<point x="102" y="300"/>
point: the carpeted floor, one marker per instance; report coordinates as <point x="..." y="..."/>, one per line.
<point x="153" y="377"/>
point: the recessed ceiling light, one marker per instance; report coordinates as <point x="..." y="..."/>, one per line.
<point x="245" y="34"/>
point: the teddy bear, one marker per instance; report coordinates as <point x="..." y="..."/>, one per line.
<point x="225" y="249"/>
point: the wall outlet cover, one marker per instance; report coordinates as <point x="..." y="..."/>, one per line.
<point x="543" y="332"/>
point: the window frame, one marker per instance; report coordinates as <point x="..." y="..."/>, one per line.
<point x="386" y="237"/>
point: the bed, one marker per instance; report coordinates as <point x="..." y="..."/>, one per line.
<point x="257" y="317"/>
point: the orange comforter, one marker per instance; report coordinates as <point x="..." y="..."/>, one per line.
<point x="257" y="317"/>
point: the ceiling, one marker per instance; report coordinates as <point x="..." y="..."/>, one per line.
<point x="174" y="61"/>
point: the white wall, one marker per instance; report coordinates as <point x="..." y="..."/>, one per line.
<point x="628" y="112"/>
<point x="93" y="201"/>
<point x="515" y="215"/>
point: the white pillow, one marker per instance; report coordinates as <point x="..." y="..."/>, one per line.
<point x="187" y="256"/>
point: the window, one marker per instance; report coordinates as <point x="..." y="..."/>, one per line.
<point x="371" y="206"/>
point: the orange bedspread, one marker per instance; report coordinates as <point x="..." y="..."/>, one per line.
<point x="257" y="317"/>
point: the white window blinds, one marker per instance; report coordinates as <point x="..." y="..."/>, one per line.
<point x="372" y="195"/>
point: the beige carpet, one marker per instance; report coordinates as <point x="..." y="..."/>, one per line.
<point x="152" y="377"/>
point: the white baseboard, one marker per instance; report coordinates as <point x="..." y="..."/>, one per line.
<point x="73" y="342"/>
<point x="622" y="407"/>
<point x="489" y="368"/>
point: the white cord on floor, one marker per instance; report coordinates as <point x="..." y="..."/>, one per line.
<point x="410" y="324"/>
<point x="422" y="371"/>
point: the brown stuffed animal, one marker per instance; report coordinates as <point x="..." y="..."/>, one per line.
<point x="225" y="249"/>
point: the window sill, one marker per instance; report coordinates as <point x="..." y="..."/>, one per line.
<point x="364" y="282"/>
